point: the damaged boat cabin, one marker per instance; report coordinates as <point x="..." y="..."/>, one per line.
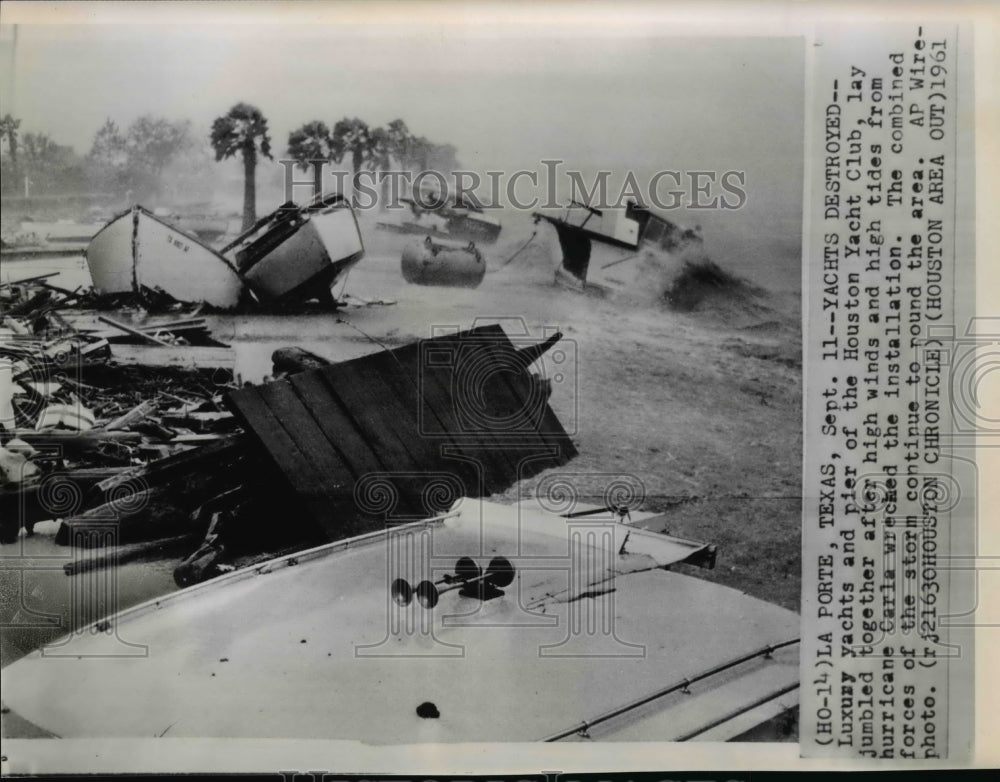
<point x="599" y="249"/>
<point x="299" y="252"/>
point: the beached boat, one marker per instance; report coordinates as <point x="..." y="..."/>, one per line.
<point x="441" y="218"/>
<point x="443" y="263"/>
<point x="137" y="250"/>
<point x="298" y="252"/>
<point x="466" y="221"/>
<point x="489" y="623"/>
<point x="607" y="250"/>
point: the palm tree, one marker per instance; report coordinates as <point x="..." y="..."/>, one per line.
<point x="312" y="145"/>
<point x="353" y="136"/>
<point x="243" y="130"/>
<point x="398" y="136"/>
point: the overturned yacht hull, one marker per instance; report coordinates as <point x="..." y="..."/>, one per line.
<point x="297" y="253"/>
<point x="137" y="250"/>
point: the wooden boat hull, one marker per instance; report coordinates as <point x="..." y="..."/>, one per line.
<point x="587" y="262"/>
<point x="443" y="263"/>
<point x="290" y="648"/>
<point x="303" y="255"/>
<point x="474" y="227"/>
<point x="137" y="250"/>
<point x="460" y="221"/>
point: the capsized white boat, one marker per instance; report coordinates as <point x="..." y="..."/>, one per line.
<point x="298" y="252"/>
<point x="615" y="250"/>
<point x="491" y="623"/>
<point x="138" y="250"/>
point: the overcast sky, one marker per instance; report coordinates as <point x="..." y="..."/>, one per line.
<point x="505" y="101"/>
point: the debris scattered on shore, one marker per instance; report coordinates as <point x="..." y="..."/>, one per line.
<point x="141" y="421"/>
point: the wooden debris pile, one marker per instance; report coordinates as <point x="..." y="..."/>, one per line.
<point x="74" y="414"/>
<point x="164" y="445"/>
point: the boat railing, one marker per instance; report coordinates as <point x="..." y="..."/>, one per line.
<point x="681" y="686"/>
<point x="742" y="709"/>
<point x="588" y="207"/>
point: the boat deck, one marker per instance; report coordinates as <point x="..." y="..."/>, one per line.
<point x="312" y="646"/>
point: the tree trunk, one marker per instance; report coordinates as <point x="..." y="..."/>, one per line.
<point x="317" y="178"/>
<point x="249" y="188"/>
<point x="15" y="177"/>
<point x="384" y="205"/>
<point x="357" y="160"/>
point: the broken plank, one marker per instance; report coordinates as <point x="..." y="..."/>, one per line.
<point x="187" y="356"/>
<point x="441" y="424"/>
<point x="219" y="456"/>
<point x="368" y="403"/>
<point x="299" y="474"/>
<point x="134" y="415"/>
<point x="132" y="331"/>
<point x="36" y="278"/>
<point x="399" y="416"/>
<point x="374" y="418"/>
<point x="191" y="439"/>
<point x="338" y="482"/>
<point x="200" y="422"/>
<point x="462" y="387"/>
<point x="415" y="416"/>
<point x="336" y="424"/>
<point x="66" y="437"/>
<point x="535" y="439"/>
<point x="129" y="552"/>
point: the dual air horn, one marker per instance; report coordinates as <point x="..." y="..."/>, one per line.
<point x="468" y="577"/>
